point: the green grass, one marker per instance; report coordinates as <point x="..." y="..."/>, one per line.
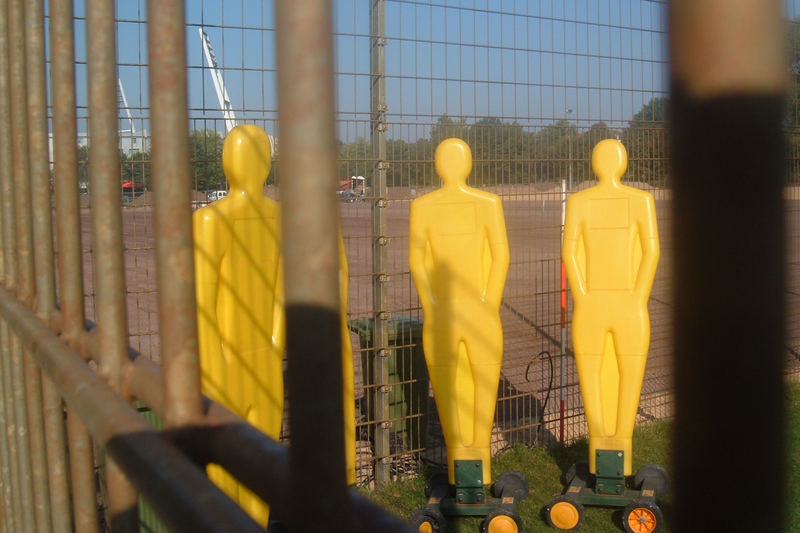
<point x="544" y="467"/>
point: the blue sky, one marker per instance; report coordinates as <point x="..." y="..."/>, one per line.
<point x="530" y="61"/>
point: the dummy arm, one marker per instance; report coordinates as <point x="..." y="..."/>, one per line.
<point x="569" y="253"/>
<point x="498" y="246"/>
<point x="648" y="232"/>
<point x="417" y="247"/>
<point x="209" y="245"/>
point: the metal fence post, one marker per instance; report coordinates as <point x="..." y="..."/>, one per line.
<point x="727" y="106"/>
<point x="309" y="237"/>
<point x="380" y="341"/>
<point x="53" y="410"/>
<point x="13" y="508"/>
<point x="109" y="265"/>
<point x="70" y="259"/>
<point x="25" y="373"/>
<point x="172" y="212"/>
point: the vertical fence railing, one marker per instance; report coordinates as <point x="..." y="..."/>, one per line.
<point x="106" y="216"/>
<point x="11" y="471"/>
<point x="53" y="464"/>
<point x="67" y="206"/>
<point x="23" y="376"/>
<point x="380" y="278"/>
<point x="729" y="102"/>
<point x="173" y="214"/>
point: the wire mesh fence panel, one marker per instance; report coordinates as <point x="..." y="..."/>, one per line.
<point x="530" y="86"/>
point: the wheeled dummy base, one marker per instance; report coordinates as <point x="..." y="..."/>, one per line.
<point x="608" y="488"/>
<point x="468" y="497"/>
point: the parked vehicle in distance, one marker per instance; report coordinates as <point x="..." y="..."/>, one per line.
<point x="213" y="196"/>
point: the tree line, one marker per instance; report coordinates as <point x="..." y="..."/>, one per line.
<point x="504" y="153"/>
<point x="510" y="153"/>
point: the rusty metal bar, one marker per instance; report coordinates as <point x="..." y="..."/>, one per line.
<point x="727" y="106"/>
<point x="260" y="463"/>
<point x="26" y="378"/>
<point x="70" y="260"/>
<point x="81" y="461"/>
<point x="310" y="250"/>
<point x="16" y="509"/>
<point x="172" y="185"/>
<point x="6" y="400"/>
<point x="5" y="461"/>
<point x="180" y="492"/>
<point x="13" y="510"/>
<point x="55" y="468"/>
<point x="109" y="267"/>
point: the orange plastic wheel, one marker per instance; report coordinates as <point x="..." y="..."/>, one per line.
<point x="502" y="521"/>
<point x="642" y="517"/>
<point x="564" y="513"/>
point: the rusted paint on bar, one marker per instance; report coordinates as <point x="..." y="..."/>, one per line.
<point x="5" y="470"/>
<point x="27" y="385"/>
<point x="70" y="260"/>
<point x="104" y="176"/>
<point x="6" y="176"/>
<point x="56" y="447"/>
<point x="54" y="469"/>
<point x="309" y="223"/>
<point x="727" y="107"/>
<point x="81" y="463"/>
<point x="39" y="158"/>
<point x="177" y="489"/>
<point x="177" y="314"/>
<point x="13" y="509"/>
<point x="11" y="429"/>
<point x="109" y="268"/>
<point x="65" y="143"/>
<point x="26" y="494"/>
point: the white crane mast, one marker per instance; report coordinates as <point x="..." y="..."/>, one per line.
<point x="222" y="94"/>
<point x="124" y="104"/>
<point x="219" y="86"/>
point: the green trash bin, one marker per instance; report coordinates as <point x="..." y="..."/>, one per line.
<point x="408" y="381"/>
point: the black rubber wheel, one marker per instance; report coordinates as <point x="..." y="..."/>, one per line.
<point x="579" y="470"/>
<point x="439" y="479"/>
<point x="642" y="516"/>
<point x="511" y="483"/>
<point x="564" y="513"/>
<point x="652" y="472"/>
<point x="427" y="521"/>
<point x="502" y="521"/>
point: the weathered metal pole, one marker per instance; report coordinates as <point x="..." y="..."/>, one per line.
<point x="380" y="241"/>
<point x="109" y="265"/>
<point x="310" y="223"/>
<point x="727" y="105"/>
<point x="172" y="186"/>
<point x="13" y="509"/>
<point x="70" y="257"/>
<point x="25" y="374"/>
<point x="55" y="467"/>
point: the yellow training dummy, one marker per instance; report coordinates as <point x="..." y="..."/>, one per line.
<point x="458" y="254"/>
<point x="240" y="299"/>
<point x="240" y="304"/>
<point x="610" y="253"/>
